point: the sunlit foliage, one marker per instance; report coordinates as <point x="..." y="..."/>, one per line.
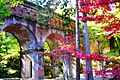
<point x="9" y="56"/>
<point x="5" y="10"/>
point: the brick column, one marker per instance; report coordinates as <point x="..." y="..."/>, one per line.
<point x="32" y="65"/>
<point x="41" y="66"/>
<point x="67" y="68"/>
<point x="26" y="63"/>
<point x="37" y="65"/>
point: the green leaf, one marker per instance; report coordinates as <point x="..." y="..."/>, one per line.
<point x="1" y="23"/>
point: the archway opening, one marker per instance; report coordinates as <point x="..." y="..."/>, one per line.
<point x="9" y="56"/>
<point x="47" y="69"/>
<point x="27" y="42"/>
<point x="53" y="65"/>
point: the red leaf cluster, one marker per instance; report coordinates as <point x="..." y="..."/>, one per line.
<point x="113" y="72"/>
<point x="92" y="56"/>
<point x="97" y="2"/>
<point x="67" y="45"/>
<point x="92" y="7"/>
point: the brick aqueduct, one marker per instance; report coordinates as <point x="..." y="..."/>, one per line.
<point x="31" y="35"/>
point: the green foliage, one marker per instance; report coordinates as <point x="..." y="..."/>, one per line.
<point x="15" y="2"/>
<point x="111" y="54"/>
<point x="68" y="12"/>
<point x="46" y="13"/>
<point x="66" y="15"/>
<point x="48" y="8"/>
<point x="47" y="61"/>
<point x="47" y="47"/>
<point x="95" y="32"/>
<point x="44" y="16"/>
<point x="5" y="10"/>
<point x="9" y="56"/>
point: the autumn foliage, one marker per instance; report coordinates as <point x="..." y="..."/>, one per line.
<point x="99" y="12"/>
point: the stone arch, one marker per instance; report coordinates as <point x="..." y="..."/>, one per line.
<point x="22" y="30"/>
<point x="42" y="32"/>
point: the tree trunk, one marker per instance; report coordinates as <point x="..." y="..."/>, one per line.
<point x="119" y="45"/>
<point x="53" y="63"/>
<point x="100" y="52"/>
<point x="89" y="76"/>
<point x="77" y="42"/>
<point x="112" y="44"/>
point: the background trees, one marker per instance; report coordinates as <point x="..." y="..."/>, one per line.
<point x="9" y="56"/>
